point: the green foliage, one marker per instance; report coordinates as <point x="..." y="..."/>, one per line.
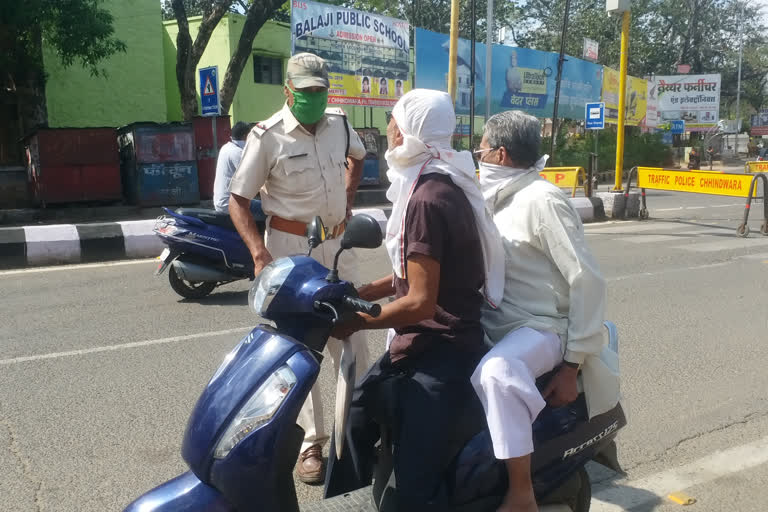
<point x="639" y="149"/>
<point x="77" y="30"/>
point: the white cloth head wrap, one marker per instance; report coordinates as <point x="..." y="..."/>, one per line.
<point x="426" y="120"/>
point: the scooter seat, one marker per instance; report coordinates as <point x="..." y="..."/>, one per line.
<point x="212" y="217"/>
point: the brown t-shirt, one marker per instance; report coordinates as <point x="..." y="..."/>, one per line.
<point x="440" y="223"/>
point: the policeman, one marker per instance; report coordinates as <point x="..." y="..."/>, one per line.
<point x="306" y="160"/>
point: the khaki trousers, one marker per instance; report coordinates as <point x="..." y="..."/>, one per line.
<point x="312" y="415"/>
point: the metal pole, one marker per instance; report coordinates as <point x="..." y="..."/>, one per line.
<point x="488" y="55"/>
<point x="215" y="138"/>
<point x="622" y="100"/>
<point x="738" y="88"/>
<point x="453" y="49"/>
<point x="563" y="36"/>
<point x="472" y="73"/>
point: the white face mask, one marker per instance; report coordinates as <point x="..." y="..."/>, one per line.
<point x="493" y="176"/>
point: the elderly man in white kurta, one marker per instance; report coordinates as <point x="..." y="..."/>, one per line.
<point x="298" y="161"/>
<point x="552" y="309"/>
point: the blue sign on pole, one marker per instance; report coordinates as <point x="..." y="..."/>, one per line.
<point x="209" y="91"/>
<point x="594" y="115"/>
<point x="678" y="127"/>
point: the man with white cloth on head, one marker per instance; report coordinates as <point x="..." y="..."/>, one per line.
<point x="552" y="310"/>
<point x="446" y="254"/>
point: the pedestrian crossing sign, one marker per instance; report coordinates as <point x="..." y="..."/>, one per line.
<point x="209" y="91"/>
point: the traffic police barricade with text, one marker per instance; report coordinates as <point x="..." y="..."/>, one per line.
<point x="566" y="177"/>
<point x="698" y="182"/>
<point x="756" y="166"/>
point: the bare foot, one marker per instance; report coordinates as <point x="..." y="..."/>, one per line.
<point x="518" y="504"/>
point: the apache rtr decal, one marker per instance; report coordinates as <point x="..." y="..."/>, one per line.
<point x="599" y="437"/>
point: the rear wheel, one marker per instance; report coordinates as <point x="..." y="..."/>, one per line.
<point x="581" y="501"/>
<point x="189" y="289"/>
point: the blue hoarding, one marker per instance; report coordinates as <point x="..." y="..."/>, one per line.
<point x="522" y="79"/>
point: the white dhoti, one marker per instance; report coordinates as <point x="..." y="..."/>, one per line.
<point x="311" y="417"/>
<point x="505" y="381"/>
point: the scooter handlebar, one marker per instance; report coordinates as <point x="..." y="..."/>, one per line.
<point x="362" y="306"/>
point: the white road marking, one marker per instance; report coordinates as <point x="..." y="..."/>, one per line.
<point x="727" y="244"/>
<point x="633" y="493"/>
<point x="678" y="208"/>
<point x="122" y="346"/>
<point x="34" y="270"/>
<point x="670" y="270"/>
<point x="647" y="239"/>
<point x="704" y="266"/>
<point x="634" y="227"/>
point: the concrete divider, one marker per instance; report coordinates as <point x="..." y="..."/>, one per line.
<point x="109" y="241"/>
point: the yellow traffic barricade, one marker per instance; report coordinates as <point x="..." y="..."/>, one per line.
<point x="756" y="166"/>
<point x="566" y="177"/>
<point x="699" y="182"/>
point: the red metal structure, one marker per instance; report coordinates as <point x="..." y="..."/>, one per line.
<point x="207" y="150"/>
<point x="73" y="164"/>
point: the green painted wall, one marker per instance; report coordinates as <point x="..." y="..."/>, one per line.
<point x="134" y="88"/>
<point x="255" y="102"/>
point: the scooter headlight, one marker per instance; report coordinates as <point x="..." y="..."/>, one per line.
<point x="258" y="410"/>
<point x="268" y="283"/>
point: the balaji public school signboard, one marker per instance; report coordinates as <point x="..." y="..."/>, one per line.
<point x="721" y="184"/>
<point x="367" y="55"/>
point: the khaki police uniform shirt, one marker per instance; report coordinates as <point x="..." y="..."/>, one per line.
<point x="299" y="175"/>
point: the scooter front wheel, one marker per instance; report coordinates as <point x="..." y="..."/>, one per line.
<point x="189" y="289"/>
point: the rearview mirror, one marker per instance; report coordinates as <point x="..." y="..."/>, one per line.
<point x="315" y="233"/>
<point x="362" y="231"/>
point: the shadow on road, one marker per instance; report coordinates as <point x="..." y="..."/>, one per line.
<point x="224" y="298"/>
<point x="627" y="498"/>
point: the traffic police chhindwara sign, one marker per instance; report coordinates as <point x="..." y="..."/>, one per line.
<point x="594" y="115"/>
<point x="209" y="91"/>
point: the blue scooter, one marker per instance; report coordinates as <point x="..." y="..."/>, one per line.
<point x="242" y="440"/>
<point x="204" y="250"/>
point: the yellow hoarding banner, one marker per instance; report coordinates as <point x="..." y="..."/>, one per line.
<point x="723" y="184"/>
<point x="636" y="100"/>
<point x="756" y="167"/>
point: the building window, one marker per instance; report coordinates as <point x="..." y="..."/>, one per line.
<point x="267" y="70"/>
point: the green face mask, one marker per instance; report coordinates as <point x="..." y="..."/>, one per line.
<point x="309" y="107"/>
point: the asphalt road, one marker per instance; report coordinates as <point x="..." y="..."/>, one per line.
<point x="100" y="366"/>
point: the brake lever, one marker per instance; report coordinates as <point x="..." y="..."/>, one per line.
<point x="320" y="306"/>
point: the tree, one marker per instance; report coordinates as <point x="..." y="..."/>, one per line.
<point x="78" y="31"/>
<point x="188" y="53"/>
<point x="257" y="14"/>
